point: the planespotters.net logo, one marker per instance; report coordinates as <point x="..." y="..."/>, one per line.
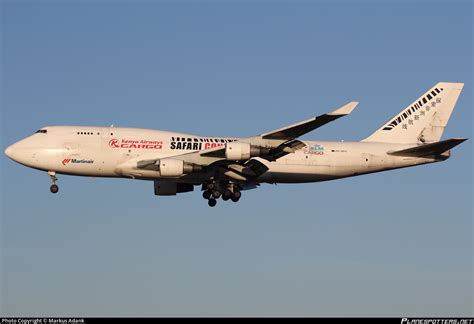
<point x="138" y="144"/>
<point x="76" y="161"/>
<point x="437" y="321"/>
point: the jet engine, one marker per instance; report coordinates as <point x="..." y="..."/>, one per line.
<point x="176" y="168"/>
<point x="165" y="188"/>
<point x="237" y="151"/>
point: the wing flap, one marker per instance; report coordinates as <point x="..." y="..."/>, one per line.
<point x="257" y="167"/>
<point x="284" y="149"/>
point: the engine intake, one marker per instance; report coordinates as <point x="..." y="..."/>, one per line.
<point x="237" y="151"/>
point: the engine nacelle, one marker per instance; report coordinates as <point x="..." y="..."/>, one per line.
<point x="176" y="168"/>
<point x="171" y="167"/>
<point x="166" y="188"/>
<point x="236" y="151"/>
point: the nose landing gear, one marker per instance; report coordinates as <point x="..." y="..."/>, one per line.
<point x="54" y="187"/>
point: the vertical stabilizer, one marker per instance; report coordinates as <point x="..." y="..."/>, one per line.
<point x="424" y="120"/>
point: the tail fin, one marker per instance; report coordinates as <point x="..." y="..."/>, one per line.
<point x="424" y="120"/>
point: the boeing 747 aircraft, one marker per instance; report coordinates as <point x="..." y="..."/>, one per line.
<point x="223" y="167"/>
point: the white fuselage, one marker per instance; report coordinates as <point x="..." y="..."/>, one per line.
<point x="114" y="152"/>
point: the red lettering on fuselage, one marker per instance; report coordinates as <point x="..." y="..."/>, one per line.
<point x="212" y="145"/>
<point x="136" y="144"/>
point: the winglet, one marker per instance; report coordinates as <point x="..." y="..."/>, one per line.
<point x="346" y="109"/>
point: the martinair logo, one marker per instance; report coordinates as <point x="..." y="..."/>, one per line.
<point x="76" y="161"/>
<point x="140" y="144"/>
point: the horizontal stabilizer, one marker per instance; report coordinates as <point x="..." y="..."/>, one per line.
<point x="432" y="149"/>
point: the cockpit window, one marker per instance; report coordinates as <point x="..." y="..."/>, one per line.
<point x="44" y="131"/>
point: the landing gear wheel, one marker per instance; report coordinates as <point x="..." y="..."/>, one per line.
<point x="54" y="188"/>
<point x="210" y="186"/>
<point x="227" y="193"/>
<point x="237" y="195"/>
<point x="235" y="199"/>
<point x="212" y="202"/>
<point x="216" y="194"/>
<point x="225" y="198"/>
<point x="206" y="194"/>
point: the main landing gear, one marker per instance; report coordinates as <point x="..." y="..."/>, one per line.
<point x="54" y="187"/>
<point x="213" y="191"/>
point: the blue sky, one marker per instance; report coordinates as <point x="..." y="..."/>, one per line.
<point x="395" y="243"/>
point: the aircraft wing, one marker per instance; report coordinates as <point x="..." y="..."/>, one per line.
<point x="272" y="145"/>
<point x="296" y="130"/>
<point x="203" y="157"/>
<point x="284" y="140"/>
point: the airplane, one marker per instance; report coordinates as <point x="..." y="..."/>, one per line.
<point x="224" y="167"/>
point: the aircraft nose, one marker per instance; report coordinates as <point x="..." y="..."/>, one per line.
<point x="10" y="151"/>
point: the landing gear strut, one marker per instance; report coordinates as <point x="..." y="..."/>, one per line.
<point x="54" y="187"/>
